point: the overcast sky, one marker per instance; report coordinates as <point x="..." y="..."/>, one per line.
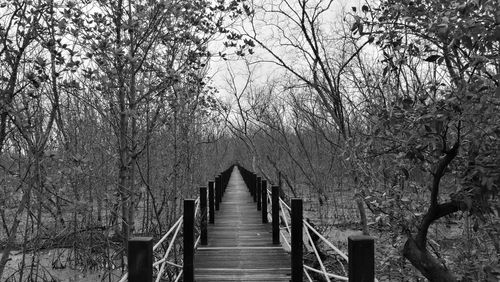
<point x="219" y="68"/>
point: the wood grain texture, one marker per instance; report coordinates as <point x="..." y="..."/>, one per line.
<point x="240" y="247"/>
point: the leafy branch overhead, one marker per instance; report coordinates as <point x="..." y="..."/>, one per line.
<point x="441" y="118"/>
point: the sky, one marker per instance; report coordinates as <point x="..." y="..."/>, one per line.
<point x="220" y="70"/>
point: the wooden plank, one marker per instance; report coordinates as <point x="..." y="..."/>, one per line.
<point x="240" y="247"/>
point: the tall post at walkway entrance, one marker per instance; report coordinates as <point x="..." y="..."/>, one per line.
<point x="259" y="192"/>
<point x="203" y="216"/>
<point x="188" y="264"/>
<point x="219" y="180"/>
<point x="140" y="259"/>
<point x="297" y="252"/>
<point x="218" y="192"/>
<point x="254" y="185"/>
<point x="264" y="201"/>
<point x="361" y="258"/>
<point x="275" y="197"/>
<point x="211" y="202"/>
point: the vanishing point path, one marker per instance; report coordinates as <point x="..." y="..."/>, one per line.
<point x="240" y="246"/>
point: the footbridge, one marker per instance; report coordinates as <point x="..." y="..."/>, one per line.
<point x="242" y="229"/>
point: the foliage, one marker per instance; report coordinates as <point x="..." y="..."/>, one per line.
<point x="433" y="115"/>
<point x="103" y="105"/>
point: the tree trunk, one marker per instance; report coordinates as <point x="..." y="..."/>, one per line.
<point x="362" y="216"/>
<point x="13" y="230"/>
<point x="427" y="264"/>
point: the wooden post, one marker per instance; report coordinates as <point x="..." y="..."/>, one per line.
<point x="361" y="258"/>
<point x="252" y="185"/>
<point x="211" y="202"/>
<point x="249" y="179"/>
<point x="226" y="180"/>
<point x="217" y="193"/>
<point x="276" y="213"/>
<point x="255" y="188"/>
<point x="188" y="265"/>
<point x="264" y="201"/>
<point x="297" y="252"/>
<point x="140" y="259"/>
<point x="221" y="189"/>
<point x="258" y="192"/>
<point x="203" y="216"/>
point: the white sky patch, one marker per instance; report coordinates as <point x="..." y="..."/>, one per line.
<point x="263" y="70"/>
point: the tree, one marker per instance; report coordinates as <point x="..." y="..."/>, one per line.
<point x="89" y="88"/>
<point x="300" y="37"/>
<point x="28" y="81"/>
<point x="439" y="114"/>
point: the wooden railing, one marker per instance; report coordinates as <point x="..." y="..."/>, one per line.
<point x="360" y="258"/>
<point x="287" y="223"/>
<point x="141" y="251"/>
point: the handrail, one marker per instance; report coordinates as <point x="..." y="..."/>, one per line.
<point x="124" y="278"/>
<point x="162" y="268"/>
<point x="197" y="206"/>
<point x="178" y="275"/>
<point x="329" y="274"/>
<point x="323" y="269"/>
<point x="267" y="216"/>
<point x="283" y="206"/>
<point x="343" y="255"/>
<point x="169" y="247"/>
<point x="163" y="261"/>
<point x="307" y="275"/>
<point x="168" y="233"/>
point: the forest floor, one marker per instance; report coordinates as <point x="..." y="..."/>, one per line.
<point x="54" y="265"/>
<point x="446" y="237"/>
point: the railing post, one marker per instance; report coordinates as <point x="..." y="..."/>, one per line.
<point x="211" y="202"/>
<point x="218" y="182"/>
<point x="361" y="258"/>
<point x="188" y="264"/>
<point x="225" y="180"/>
<point x="217" y="193"/>
<point x="258" y="192"/>
<point x="255" y="188"/>
<point x="264" y="201"/>
<point x="140" y="259"/>
<point x="203" y="216"/>
<point x="275" y="208"/>
<point x="297" y="252"/>
<point x="248" y="180"/>
<point x="253" y="183"/>
<point x="279" y="179"/>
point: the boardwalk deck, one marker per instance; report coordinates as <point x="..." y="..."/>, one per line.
<point x="239" y="246"/>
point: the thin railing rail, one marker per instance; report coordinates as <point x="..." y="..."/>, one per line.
<point x="161" y="264"/>
<point x="284" y="210"/>
<point x="283" y="214"/>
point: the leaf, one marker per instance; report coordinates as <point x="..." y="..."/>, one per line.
<point x="405" y="172"/>
<point x="365" y="9"/>
<point x="386" y="69"/>
<point x="354" y="9"/>
<point x="432" y="58"/>
<point x="467" y="41"/>
<point x="354" y="26"/>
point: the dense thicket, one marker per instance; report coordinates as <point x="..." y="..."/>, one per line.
<point x="399" y="106"/>
<point x="385" y="121"/>
<point x="106" y="122"/>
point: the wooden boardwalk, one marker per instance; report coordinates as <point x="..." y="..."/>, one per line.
<point x="239" y="246"/>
